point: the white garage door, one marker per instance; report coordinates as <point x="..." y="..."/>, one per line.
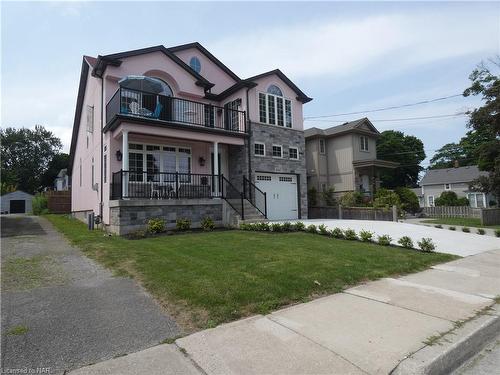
<point x="281" y="192"/>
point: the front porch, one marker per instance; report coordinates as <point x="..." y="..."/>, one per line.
<point x="367" y="175"/>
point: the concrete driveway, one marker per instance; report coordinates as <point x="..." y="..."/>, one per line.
<point x="60" y="310"/>
<point x="446" y="241"/>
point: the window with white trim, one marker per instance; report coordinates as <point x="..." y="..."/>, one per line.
<point x="430" y="200"/>
<point x="90" y="119"/>
<point x="285" y="179"/>
<point x="277" y="151"/>
<point x="322" y="146"/>
<point x="259" y="149"/>
<point x="274" y="108"/>
<point x="263" y="178"/>
<point x="293" y="153"/>
<point x="363" y="143"/>
<point x="447" y="186"/>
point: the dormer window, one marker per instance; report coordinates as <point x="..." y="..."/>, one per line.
<point x="364" y="143"/>
<point x="274" y="109"/>
<point x="195" y="64"/>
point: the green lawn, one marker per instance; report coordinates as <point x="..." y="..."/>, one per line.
<point x="204" y="279"/>
<point x="460" y="221"/>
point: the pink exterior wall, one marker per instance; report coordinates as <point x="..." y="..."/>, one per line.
<point x="208" y="70"/>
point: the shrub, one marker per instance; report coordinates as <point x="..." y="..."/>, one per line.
<point x="156" y="225"/>
<point x="406" y="242"/>
<point x="328" y="196"/>
<point x="246" y="226"/>
<point x="466" y="229"/>
<point x="262" y="226"/>
<point x="365" y="235"/>
<point x="385" y="198"/>
<point x="276" y="227"/>
<point x="452" y="228"/>
<point x="351" y="199"/>
<point x="207" y="224"/>
<point x="322" y="230"/>
<point x="480" y="231"/>
<point x="312" y="197"/>
<point x="40" y="205"/>
<point x="183" y="224"/>
<point x="497" y="232"/>
<point x="312" y="228"/>
<point x="384" y="240"/>
<point x="449" y="198"/>
<point x="350" y="234"/>
<point x="287" y="227"/>
<point x="426" y="245"/>
<point x="439" y="226"/>
<point x="408" y="199"/>
<point x="299" y="226"/>
<point x="137" y="235"/>
<point x="337" y="233"/>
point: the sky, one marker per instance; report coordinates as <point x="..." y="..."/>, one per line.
<point x="349" y="57"/>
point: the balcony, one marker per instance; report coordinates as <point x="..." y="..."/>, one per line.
<point x="136" y="104"/>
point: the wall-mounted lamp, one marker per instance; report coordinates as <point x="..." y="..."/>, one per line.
<point x="119" y="155"/>
<point x="201" y="160"/>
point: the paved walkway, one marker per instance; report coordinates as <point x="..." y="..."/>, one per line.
<point x="60" y="310"/>
<point x="368" y="329"/>
<point x="446" y="241"/>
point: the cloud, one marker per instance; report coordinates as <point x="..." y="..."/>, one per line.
<point x="342" y="47"/>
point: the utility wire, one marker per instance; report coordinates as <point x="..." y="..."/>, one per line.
<point x="398" y="119"/>
<point x="387" y="108"/>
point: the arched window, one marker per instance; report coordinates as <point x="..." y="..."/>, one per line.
<point x="166" y="90"/>
<point x="195" y="64"/>
<point x="274" y="90"/>
<point x="146" y="84"/>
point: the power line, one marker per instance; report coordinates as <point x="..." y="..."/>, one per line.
<point x="387" y="108"/>
<point x="399" y="119"/>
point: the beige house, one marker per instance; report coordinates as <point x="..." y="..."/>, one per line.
<point x="344" y="157"/>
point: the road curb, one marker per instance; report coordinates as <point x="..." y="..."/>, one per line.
<point x="454" y="348"/>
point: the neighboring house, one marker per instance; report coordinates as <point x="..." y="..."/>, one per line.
<point x="17" y="202"/>
<point x="61" y="182"/>
<point x="456" y="179"/>
<point x="174" y="133"/>
<point x="344" y="157"/>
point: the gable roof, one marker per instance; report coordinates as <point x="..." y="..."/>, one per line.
<point x="300" y="95"/>
<point x="211" y="57"/>
<point x="352" y="126"/>
<point x="452" y="175"/>
<point x="114" y="59"/>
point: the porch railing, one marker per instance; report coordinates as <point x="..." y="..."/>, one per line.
<point x="254" y="195"/>
<point x="233" y="197"/>
<point x="141" y="104"/>
<point x="160" y="185"/>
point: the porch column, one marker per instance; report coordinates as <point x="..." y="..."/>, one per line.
<point x="125" y="163"/>
<point x="216" y="168"/>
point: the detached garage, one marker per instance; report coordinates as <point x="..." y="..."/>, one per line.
<point x="282" y="195"/>
<point x="17" y="202"/>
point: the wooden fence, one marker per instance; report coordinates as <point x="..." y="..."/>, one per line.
<point x="352" y="213"/>
<point x="59" y="202"/>
<point x="490" y="216"/>
<point x="452" y="211"/>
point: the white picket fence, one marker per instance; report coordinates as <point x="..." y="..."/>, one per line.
<point x="452" y="211"/>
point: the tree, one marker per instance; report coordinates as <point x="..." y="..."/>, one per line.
<point x="409" y="200"/>
<point x="486" y="119"/>
<point x="408" y="151"/>
<point x="449" y="198"/>
<point x="26" y="154"/>
<point x="58" y="162"/>
<point x="385" y="199"/>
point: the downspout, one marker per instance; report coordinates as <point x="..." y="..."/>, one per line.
<point x="101" y="208"/>
<point x="249" y="135"/>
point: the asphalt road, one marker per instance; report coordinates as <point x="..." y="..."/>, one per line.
<point x="487" y="362"/>
<point x="66" y="311"/>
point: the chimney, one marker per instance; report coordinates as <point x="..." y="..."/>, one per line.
<point x="455" y="164"/>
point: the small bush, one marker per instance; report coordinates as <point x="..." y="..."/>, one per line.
<point x="39" y="205"/>
<point x="137" y="235"/>
<point x="337" y="233"/>
<point x="385" y="199"/>
<point x="207" y="224"/>
<point x="350" y="234"/>
<point x="365" y="235"/>
<point x="497" y="232"/>
<point x="466" y="229"/>
<point x="183" y="224"/>
<point x="245" y="226"/>
<point x="156" y="225"/>
<point x="384" y="240"/>
<point x="312" y="197"/>
<point x="406" y="242"/>
<point x="452" y="228"/>
<point x="426" y="245"/>
<point x="276" y="227"/>
<point x="262" y="226"/>
<point x="312" y="229"/>
<point x="351" y="199"/>
<point x="480" y="231"/>
<point x="322" y="230"/>
<point x="287" y="227"/>
<point x="299" y="226"/>
<point x="328" y="196"/>
<point x="438" y="226"/>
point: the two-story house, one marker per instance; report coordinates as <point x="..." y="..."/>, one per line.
<point x="344" y="157"/>
<point x="174" y="133"/>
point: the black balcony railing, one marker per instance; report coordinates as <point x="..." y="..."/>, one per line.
<point x="146" y="105"/>
<point x="255" y="196"/>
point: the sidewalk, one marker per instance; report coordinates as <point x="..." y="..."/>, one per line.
<point x="368" y="329"/>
